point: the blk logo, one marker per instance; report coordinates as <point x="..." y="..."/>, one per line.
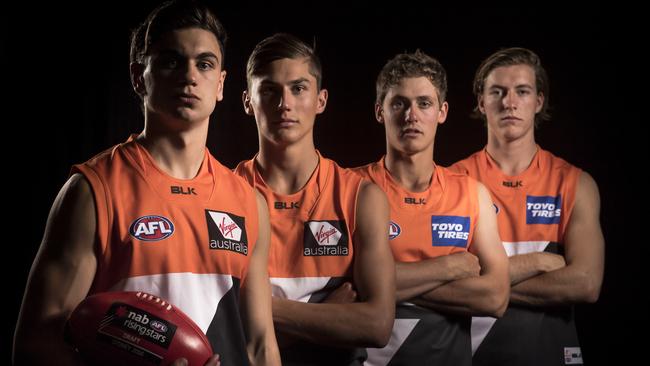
<point x="181" y="190"/>
<point x="151" y="228"/>
<point x="286" y="205"/>
<point x="515" y="184"/>
<point x="414" y="201"/>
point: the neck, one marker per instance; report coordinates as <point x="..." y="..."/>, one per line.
<point x="512" y="157"/>
<point x="177" y="153"/>
<point x="286" y="169"/>
<point x="411" y="171"/>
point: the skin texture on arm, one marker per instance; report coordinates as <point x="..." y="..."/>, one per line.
<point x="262" y="347"/>
<point x="417" y="278"/>
<point x="526" y="266"/>
<point x="486" y="294"/>
<point x="368" y="322"/>
<point x="581" y="278"/>
<point x="60" y="277"/>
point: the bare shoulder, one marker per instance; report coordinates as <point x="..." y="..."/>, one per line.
<point x="587" y="201"/>
<point x="369" y="191"/>
<point x="77" y="185"/>
<point x="587" y="185"/>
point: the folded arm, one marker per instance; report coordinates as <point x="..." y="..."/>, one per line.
<point x="367" y="322"/>
<point x="486" y="294"/>
<point x="581" y="278"/>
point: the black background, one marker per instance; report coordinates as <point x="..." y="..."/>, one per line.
<point x="68" y="97"/>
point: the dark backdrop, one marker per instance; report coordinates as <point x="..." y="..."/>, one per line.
<point x="68" y="97"/>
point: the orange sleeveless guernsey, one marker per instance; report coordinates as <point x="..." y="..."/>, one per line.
<point x="438" y="221"/>
<point x="188" y="241"/>
<point x="533" y="211"/>
<point x="312" y="251"/>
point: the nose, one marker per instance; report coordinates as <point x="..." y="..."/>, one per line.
<point x="509" y="101"/>
<point x="285" y="101"/>
<point x="410" y="115"/>
<point x="190" y="74"/>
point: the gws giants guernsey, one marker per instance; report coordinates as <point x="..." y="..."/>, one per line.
<point x="312" y="251"/>
<point x="533" y="210"/>
<point x="438" y="221"/>
<point x="188" y="241"/>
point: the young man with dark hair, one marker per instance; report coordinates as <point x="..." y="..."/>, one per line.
<point x="149" y="214"/>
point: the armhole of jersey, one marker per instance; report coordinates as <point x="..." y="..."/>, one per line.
<point x="571" y="190"/>
<point x="253" y="226"/>
<point x="353" y="219"/>
<point x="102" y="209"/>
<point x="475" y="207"/>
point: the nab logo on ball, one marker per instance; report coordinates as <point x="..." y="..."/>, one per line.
<point x="151" y="228"/>
<point x="543" y="209"/>
<point x="227" y="231"/>
<point x="125" y="319"/>
<point x="323" y="238"/>
<point x="393" y="230"/>
<point x="449" y="231"/>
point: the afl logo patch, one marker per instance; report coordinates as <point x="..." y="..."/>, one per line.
<point x="159" y="326"/>
<point x="393" y="230"/>
<point x="151" y="228"/>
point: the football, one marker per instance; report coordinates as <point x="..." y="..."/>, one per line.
<point x="134" y="328"/>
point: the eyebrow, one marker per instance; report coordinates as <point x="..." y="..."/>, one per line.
<point x="418" y="98"/>
<point x="299" y="80"/>
<point x="518" y="86"/>
<point x="202" y="55"/>
<point x="267" y="81"/>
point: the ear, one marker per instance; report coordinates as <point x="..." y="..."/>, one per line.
<point x="322" y="101"/>
<point x="246" y="99"/>
<point x="540" y="102"/>
<point x="444" y="110"/>
<point x="222" y="78"/>
<point x="481" y="104"/>
<point x="137" y="78"/>
<point x="379" y="113"/>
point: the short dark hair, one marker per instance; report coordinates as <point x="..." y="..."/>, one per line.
<point x="277" y="47"/>
<point x="412" y="65"/>
<point x="173" y="15"/>
<point x="510" y="57"/>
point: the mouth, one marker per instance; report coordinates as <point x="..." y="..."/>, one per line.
<point x="510" y="119"/>
<point x="285" y="122"/>
<point x="410" y="132"/>
<point x="188" y="98"/>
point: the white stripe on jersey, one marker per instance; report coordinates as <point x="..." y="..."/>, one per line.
<point x="297" y="288"/>
<point x="481" y="325"/>
<point x="196" y="294"/>
<point x="524" y="247"/>
<point x="402" y="328"/>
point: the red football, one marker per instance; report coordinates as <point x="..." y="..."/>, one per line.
<point x="134" y="328"/>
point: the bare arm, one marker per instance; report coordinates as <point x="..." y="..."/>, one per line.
<point x="256" y="297"/>
<point x="60" y="278"/>
<point x="366" y="323"/>
<point x="417" y="278"/>
<point x="486" y="294"/>
<point x="581" y="278"/>
<point x="526" y="266"/>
